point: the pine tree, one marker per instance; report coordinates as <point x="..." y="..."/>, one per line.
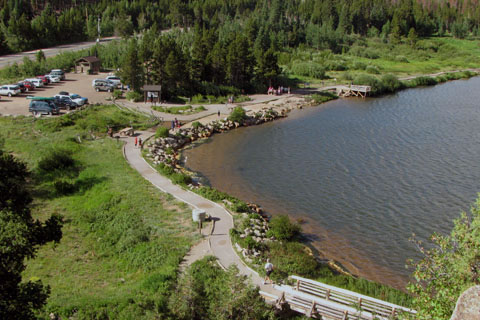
<point x="132" y="71"/>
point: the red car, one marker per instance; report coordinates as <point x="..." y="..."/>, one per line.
<point x="28" y="85"/>
<point x="44" y="79"/>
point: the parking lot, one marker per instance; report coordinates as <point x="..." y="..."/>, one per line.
<point x="74" y="83"/>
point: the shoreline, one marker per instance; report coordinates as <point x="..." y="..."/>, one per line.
<point x="283" y="104"/>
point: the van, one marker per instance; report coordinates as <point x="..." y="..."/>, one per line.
<point x="39" y="106"/>
<point x="36" y="82"/>
<point x="59" y="73"/>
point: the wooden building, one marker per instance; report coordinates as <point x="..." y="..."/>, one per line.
<point x="152" y="93"/>
<point x="90" y="65"/>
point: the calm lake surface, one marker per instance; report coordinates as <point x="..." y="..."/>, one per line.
<point x="363" y="174"/>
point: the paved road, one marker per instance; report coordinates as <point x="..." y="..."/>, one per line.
<point x="219" y="243"/>
<point x="49" y="52"/>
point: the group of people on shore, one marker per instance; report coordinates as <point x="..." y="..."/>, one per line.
<point x="279" y="91"/>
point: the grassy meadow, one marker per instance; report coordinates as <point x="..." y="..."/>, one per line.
<point x="122" y="238"/>
<point x="375" y="57"/>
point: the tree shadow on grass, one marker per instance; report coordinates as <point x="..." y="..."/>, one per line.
<point x="64" y="187"/>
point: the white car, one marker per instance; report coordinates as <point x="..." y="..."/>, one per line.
<point x="36" y="82"/>
<point x="75" y="97"/>
<point x="116" y="80"/>
<point x="52" y="78"/>
<point x="9" y="90"/>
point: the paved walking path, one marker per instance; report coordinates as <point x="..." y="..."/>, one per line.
<point x="212" y="109"/>
<point x="218" y="242"/>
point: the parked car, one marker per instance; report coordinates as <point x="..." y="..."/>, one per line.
<point x="52" y="78"/>
<point x="59" y="73"/>
<point x="44" y="79"/>
<point x="22" y="87"/>
<point x="65" y="103"/>
<point x="116" y="80"/>
<point x="28" y="85"/>
<point x="36" y="82"/>
<point x="104" y="85"/>
<point x="75" y="97"/>
<point x="39" y="106"/>
<point x="9" y="90"/>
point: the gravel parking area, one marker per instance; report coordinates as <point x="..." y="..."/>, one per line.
<point x="74" y="83"/>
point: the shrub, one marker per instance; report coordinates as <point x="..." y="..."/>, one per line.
<point x="372" y="69"/>
<point x="134" y="96"/>
<point x="282" y="228"/>
<point x="367" y="80"/>
<point x="180" y="178"/>
<point x="391" y="83"/>
<point x="424" y="81"/>
<point x="117" y="94"/>
<point x="291" y="258"/>
<point x="309" y="69"/>
<point x="238" y="115"/>
<point x="358" y="65"/>
<point x="401" y="59"/>
<point x="197" y="125"/>
<point x="162" y="132"/>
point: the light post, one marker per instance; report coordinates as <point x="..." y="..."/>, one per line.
<point x="98" y="29"/>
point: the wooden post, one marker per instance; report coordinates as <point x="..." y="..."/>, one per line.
<point x="298" y="285"/>
<point x="312" y="310"/>
<point x="359" y="302"/>
<point x="327" y="296"/>
<point x="345" y="315"/>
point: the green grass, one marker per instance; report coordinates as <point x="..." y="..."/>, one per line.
<point x="430" y="55"/>
<point x="122" y="239"/>
<point x="180" y="110"/>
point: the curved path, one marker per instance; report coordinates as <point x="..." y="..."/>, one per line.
<point x="218" y="242"/>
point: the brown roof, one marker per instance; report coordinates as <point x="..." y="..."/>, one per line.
<point x="89" y="59"/>
<point x="152" y="87"/>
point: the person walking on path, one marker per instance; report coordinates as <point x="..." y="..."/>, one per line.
<point x="218" y="113"/>
<point x="140" y="142"/>
<point x="136" y="141"/>
<point x="268" y="270"/>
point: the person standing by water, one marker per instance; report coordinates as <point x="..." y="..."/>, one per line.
<point x="136" y="141"/>
<point x="268" y="270"/>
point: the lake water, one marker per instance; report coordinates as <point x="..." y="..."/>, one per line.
<point x="363" y="174"/>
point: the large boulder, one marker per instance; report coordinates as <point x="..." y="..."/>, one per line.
<point x="468" y="305"/>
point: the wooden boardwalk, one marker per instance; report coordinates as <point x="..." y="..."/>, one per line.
<point x="353" y="91"/>
<point x="318" y="300"/>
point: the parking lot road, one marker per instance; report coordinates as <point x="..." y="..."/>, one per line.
<point x="49" y="52"/>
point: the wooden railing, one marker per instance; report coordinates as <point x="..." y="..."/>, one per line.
<point x="316" y="307"/>
<point x="348" y="298"/>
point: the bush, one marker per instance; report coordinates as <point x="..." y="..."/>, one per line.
<point x="291" y="258"/>
<point x="372" y="69"/>
<point x="117" y="94"/>
<point x="309" y="69"/>
<point x="64" y="187"/>
<point x="238" y="115"/>
<point x="134" y="96"/>
<point x="423" y="81"/>
<point x="162" y="132"/>
<point x="282" y="228"/>
<point x="367" y="80"/>
<point x="391" y="83"/>
<point x="197" y="125"/>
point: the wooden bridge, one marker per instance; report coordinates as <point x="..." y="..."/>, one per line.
<point x="318" y="300"/>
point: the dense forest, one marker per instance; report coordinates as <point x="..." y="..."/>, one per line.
<point x="35" y="24"/>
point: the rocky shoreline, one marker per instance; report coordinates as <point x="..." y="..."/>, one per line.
<point x="166" y="151"/>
